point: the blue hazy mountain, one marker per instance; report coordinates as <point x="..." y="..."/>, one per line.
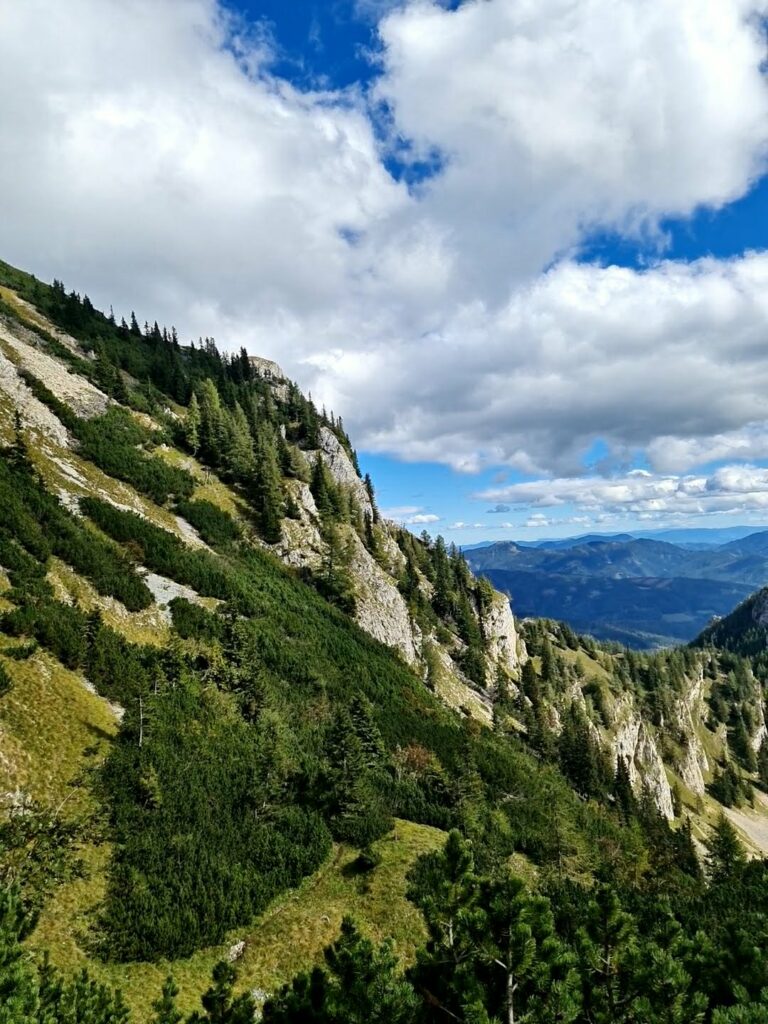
<point x="644" y="591"/>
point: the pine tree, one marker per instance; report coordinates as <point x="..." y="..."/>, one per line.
<point x="726" y="858"/>
<point x="220" y="1006"/>
<point x="192" y="425"/>
<point x="605" y="945"/>
<point x="532" y="972"/>
<point x="371" y="496"/>
<point x="266" y="488"/>
<point x="361" y="984"/>
<point x="19" y="990"/>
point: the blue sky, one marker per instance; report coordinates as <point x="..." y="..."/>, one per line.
<point x="519" y="247"/>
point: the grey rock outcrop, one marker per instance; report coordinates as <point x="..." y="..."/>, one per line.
<point x="690" y="714"/>
<point x="633" y="741"/>
<point x="501" y="635"/>
<point x="380" y="608"/>
<point x="341" y="469"/>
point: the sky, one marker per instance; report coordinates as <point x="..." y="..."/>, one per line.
<point x="521" y="246"/>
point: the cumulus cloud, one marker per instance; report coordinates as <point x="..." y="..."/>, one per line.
<point x="555" y="115"/>
<point x="729" y="489"/>
<point x="671" y="358"/>
<point x="410" y="515"/>
<point x="150" y="156"/>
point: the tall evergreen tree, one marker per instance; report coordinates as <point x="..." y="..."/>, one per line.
<point x="192" y="425"/>
<point x="265" y="487"/>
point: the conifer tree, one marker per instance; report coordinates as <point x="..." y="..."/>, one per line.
<point x="219" y="1003"/>
<point x="18" y="455"/>
<point x="192" y="425"/>
<point x="622" y="789"/>
<point x="726" y="858"/>
<point x="371" y="496"/>
<point x="762" y="763"/>
<point x="361" y="984"/>
<point x="211" y="422"/>
<point x="532" y="972"/>
<point x="266" y="488"/>
<point x="321" y="488"/>
<point x="239" y="456"/>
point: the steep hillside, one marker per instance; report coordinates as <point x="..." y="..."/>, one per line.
<point x="743" y="631"/>
<point x="237" y="705"/>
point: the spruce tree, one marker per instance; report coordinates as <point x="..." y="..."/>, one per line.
<point x="762" y="763"/>
<point x="371" y="496"/>
<point x="192" y="425"/>
<point x="239" y="456"/>
<point x="266" y="488"/>
<point x="622" y="790"/>
<point x="726" y="858"/>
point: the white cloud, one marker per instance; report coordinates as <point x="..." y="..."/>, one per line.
<point x="553" y="115"/>
<point x="729" y="489"/>
<point x="671" y="358"/>
<point x="421" y="519"/>
<point x="148" y="156"/>
<point x="410" y="515"/>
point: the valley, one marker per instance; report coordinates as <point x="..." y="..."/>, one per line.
<point x="643" y="592"/>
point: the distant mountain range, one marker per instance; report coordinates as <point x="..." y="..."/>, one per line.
<point x="660" y="588"/>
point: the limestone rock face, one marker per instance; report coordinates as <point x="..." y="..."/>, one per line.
<point x="76" y="391"/>
<point x="341" y="469"/>
<point x="501" y="635"/>
<point x="633" y="741"/>
<point x="301" y="544"/>
<point x="35" y="415"/>
<point x="380" y="607"/>
<point x="690" y="713"/>
<point x="266" y="368"/>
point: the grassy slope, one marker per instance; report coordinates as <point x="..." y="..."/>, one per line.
<point x="52" y="729"/>
<point x="289" y="937"/>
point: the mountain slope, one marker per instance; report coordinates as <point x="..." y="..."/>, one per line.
<point x="236" y="704"/>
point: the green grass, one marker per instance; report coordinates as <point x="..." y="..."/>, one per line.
<point x="290" y="936"/>
<point x="144" y="627"/>
<point x="208" y="486"/>
<point x="47" y="721"/>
